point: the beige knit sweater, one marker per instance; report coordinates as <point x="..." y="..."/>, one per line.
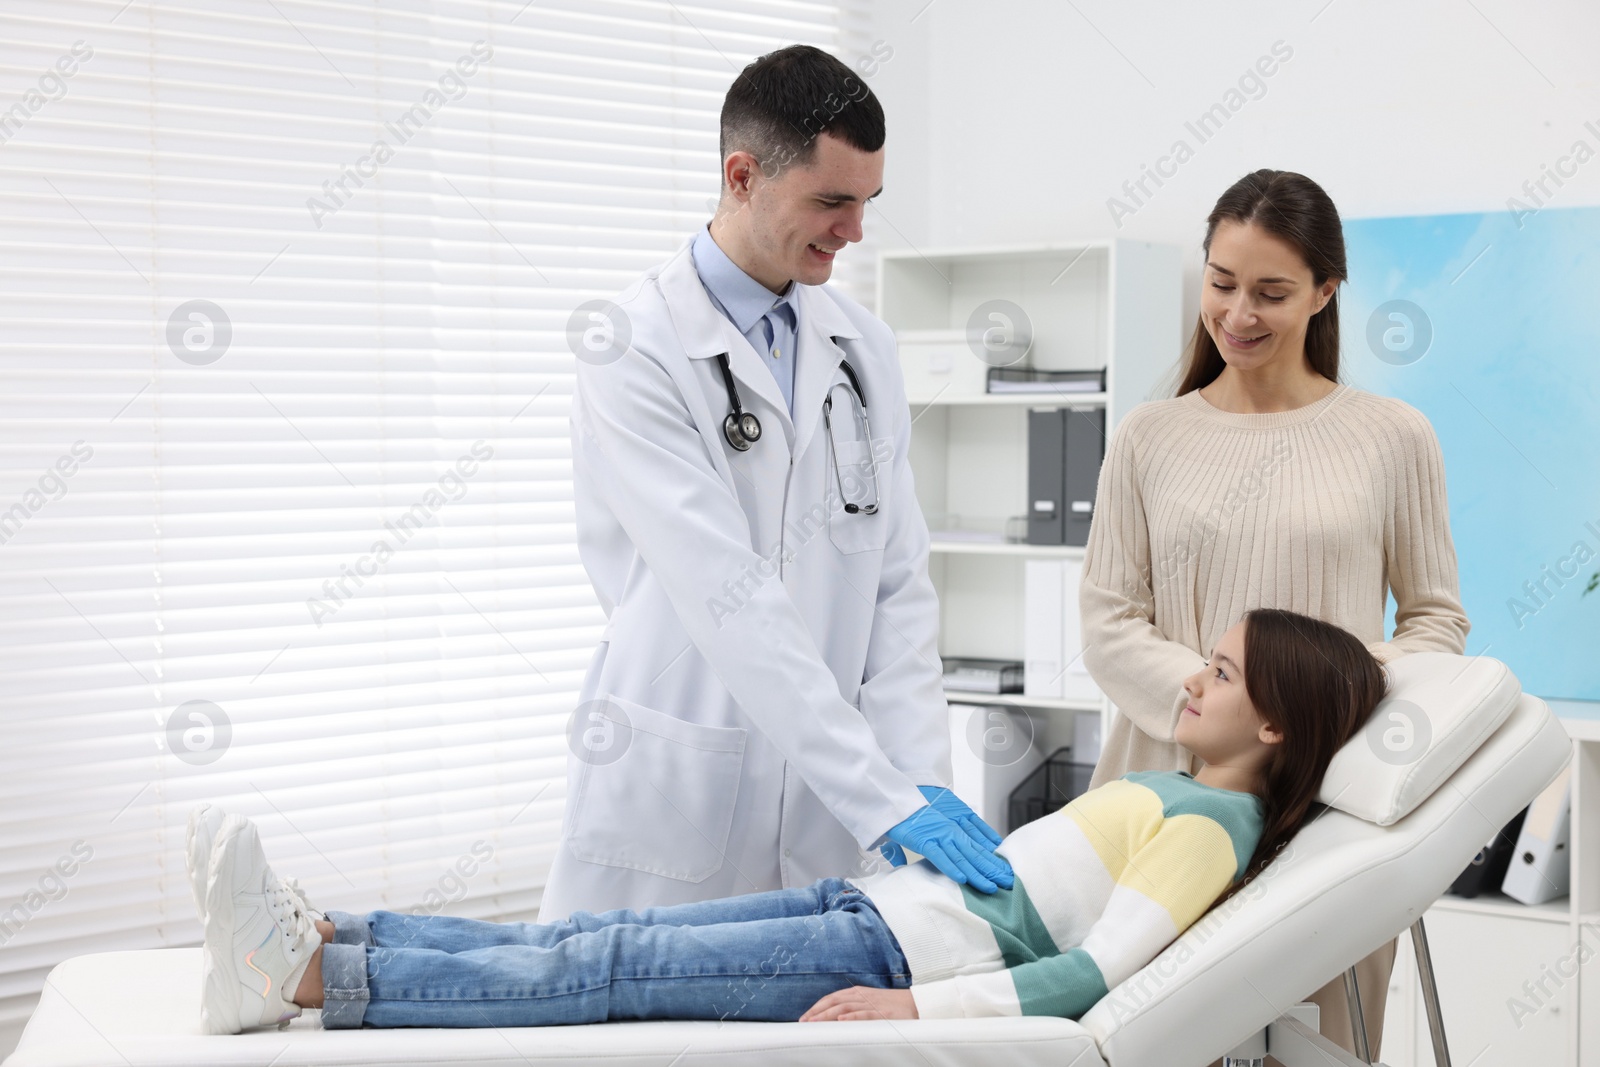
<point x="1203" y="514"/>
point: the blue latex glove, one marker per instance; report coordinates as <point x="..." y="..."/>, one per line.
<point x="954" y="808"/>
<point x="949" y="847"/>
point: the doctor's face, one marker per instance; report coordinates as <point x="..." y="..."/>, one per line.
<point x="1258" y="296"/>
<point x="795" y="223"/>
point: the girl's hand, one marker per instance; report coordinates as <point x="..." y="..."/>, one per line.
<point x="862" y="1002"/>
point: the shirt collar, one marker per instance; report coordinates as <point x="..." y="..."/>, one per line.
<point x="744" y="300"/>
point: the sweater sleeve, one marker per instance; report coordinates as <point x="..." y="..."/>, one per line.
<point x="1132" y="661"/>
<point x="1419" y="554"/>
<point x="1163" y="889"/>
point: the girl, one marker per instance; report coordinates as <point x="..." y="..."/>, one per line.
<point x="1263" y="482"/>
<point x="1101" y="887"/>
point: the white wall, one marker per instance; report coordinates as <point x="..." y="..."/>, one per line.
<point x="1015" y="122"/>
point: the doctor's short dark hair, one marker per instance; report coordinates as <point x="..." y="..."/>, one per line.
<point x="781" y="102"/>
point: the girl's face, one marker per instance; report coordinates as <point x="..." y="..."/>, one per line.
<point x="1221" y="725"/>
<point x="1257" y="296"/>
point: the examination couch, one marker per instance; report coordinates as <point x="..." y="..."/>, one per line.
<point x="1400" y="825"/>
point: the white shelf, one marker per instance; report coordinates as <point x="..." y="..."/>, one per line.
<point x="1580" y="718"/>
<point x="1496" y="903"/>
<point x="1006" y="253"/>
<point x="1031" y="400"/>
<point x="1006" y="548"/>
<point x="1017" y="700"/>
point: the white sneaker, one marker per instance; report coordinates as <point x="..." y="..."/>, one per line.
<point x="260" y="936"/>
<point x="204" y="822"/>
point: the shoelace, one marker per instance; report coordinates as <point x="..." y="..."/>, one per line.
<point x="286" y="897"/>
<point x="287" y="900"/>
<point x="293" y="884"/>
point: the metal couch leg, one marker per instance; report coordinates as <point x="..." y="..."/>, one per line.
<point x="1430" y="994"/>
<point x="1358" y="1021"/>
<point x="1298" y="1044"/>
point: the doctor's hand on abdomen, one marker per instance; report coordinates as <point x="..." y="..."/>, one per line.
<point x="954" y="839"/>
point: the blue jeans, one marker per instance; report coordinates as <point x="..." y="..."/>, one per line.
<point x="762" y="956"/>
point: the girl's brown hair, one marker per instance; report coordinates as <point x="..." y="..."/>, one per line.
<point x="1317" y="685"/>
<point x="1292" y="207"/>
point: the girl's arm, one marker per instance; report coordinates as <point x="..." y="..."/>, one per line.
<point x="860" y="1003"/>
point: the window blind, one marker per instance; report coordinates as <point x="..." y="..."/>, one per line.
<point x="286" y="508"/>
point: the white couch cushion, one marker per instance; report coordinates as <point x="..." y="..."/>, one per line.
<point x="1439" y="709"/>
<point x="142" y="1009"/>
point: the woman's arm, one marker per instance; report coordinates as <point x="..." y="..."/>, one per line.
<point x="1132" y="661"/>
<point x="1419" y="554"/>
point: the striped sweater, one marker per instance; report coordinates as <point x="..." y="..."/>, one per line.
<point x="1102" y="886"/>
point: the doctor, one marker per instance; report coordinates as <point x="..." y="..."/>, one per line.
<point x="764" y="707"/>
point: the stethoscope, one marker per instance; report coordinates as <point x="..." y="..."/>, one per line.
<point x="743" y="429"/>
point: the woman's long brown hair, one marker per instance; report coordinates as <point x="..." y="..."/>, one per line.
<point x="1317" y="685"/>
<point x="1292" y="207"/>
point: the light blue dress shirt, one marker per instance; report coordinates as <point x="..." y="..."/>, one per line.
<point x="768" y="321"/>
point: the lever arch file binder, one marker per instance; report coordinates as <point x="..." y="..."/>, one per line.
<point x="1047" y="453"/>
<point x="1541" y="865"/>
<point x="1065" y="447"/>
<point x="1085" y="437"/>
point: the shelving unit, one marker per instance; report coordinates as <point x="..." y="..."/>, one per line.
<point x="1513" y="985"/>
<point x="1112" y="303"/>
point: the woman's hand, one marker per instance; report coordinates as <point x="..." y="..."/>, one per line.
<point x="862" y="1002"/>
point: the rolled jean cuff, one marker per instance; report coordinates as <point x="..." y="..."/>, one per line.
<point x="344" y="985"/>
<point x="351" y="929"/>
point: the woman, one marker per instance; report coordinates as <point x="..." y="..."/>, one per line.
<point x="1265" y="481"/>
<point x="1114" y="877"/>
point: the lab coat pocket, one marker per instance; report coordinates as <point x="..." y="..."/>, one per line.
<point x="864" y="482"/>
<point x="665" y="804"/>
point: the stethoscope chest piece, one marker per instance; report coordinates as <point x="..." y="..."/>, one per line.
<point x="742" y="430"/>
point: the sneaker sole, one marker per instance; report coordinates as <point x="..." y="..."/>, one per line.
<point x="222" y="984"/>
<point x="205" y="822"/>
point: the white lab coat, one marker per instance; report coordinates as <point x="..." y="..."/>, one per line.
<point x="777" y="726"/>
